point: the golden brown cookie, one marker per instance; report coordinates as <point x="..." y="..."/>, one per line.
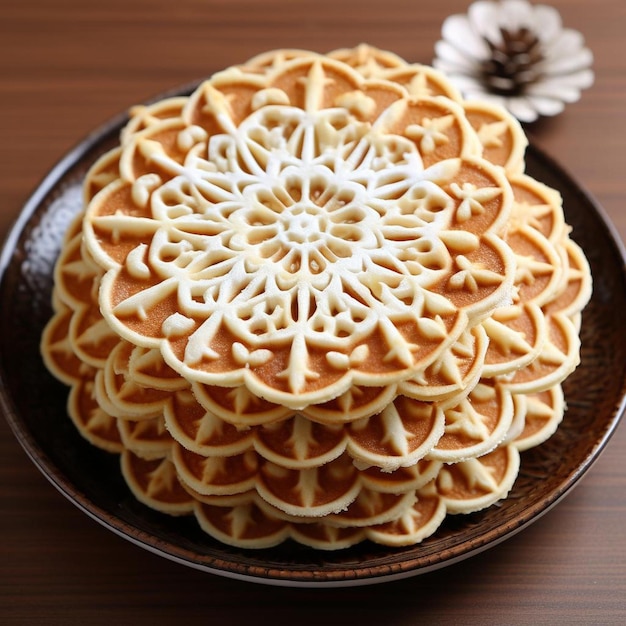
<point x="350" y="275"/>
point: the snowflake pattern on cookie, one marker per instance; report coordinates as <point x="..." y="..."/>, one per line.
<point x="316" y="242"/>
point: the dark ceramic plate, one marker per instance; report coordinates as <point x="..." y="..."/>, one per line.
<point x="34" y="404"/>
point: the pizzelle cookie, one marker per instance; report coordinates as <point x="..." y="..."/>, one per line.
<point x="319" y="300"/>
<point x="307" y="247"/>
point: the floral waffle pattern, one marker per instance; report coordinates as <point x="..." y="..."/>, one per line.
<point x="384" y="462"/>
<point x="340" y="233"/>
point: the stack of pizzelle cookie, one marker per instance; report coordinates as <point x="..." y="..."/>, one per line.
<point x="318" y="299"/>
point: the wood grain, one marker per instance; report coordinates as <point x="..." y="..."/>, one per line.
<point x="68" y="66"/>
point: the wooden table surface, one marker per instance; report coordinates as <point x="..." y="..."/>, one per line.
<point x="66" y="66"/>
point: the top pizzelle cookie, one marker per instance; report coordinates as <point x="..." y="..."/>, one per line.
<point x="301" y="231"/>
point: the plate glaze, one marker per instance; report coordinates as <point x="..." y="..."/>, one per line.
<point x="34" y="404"/>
